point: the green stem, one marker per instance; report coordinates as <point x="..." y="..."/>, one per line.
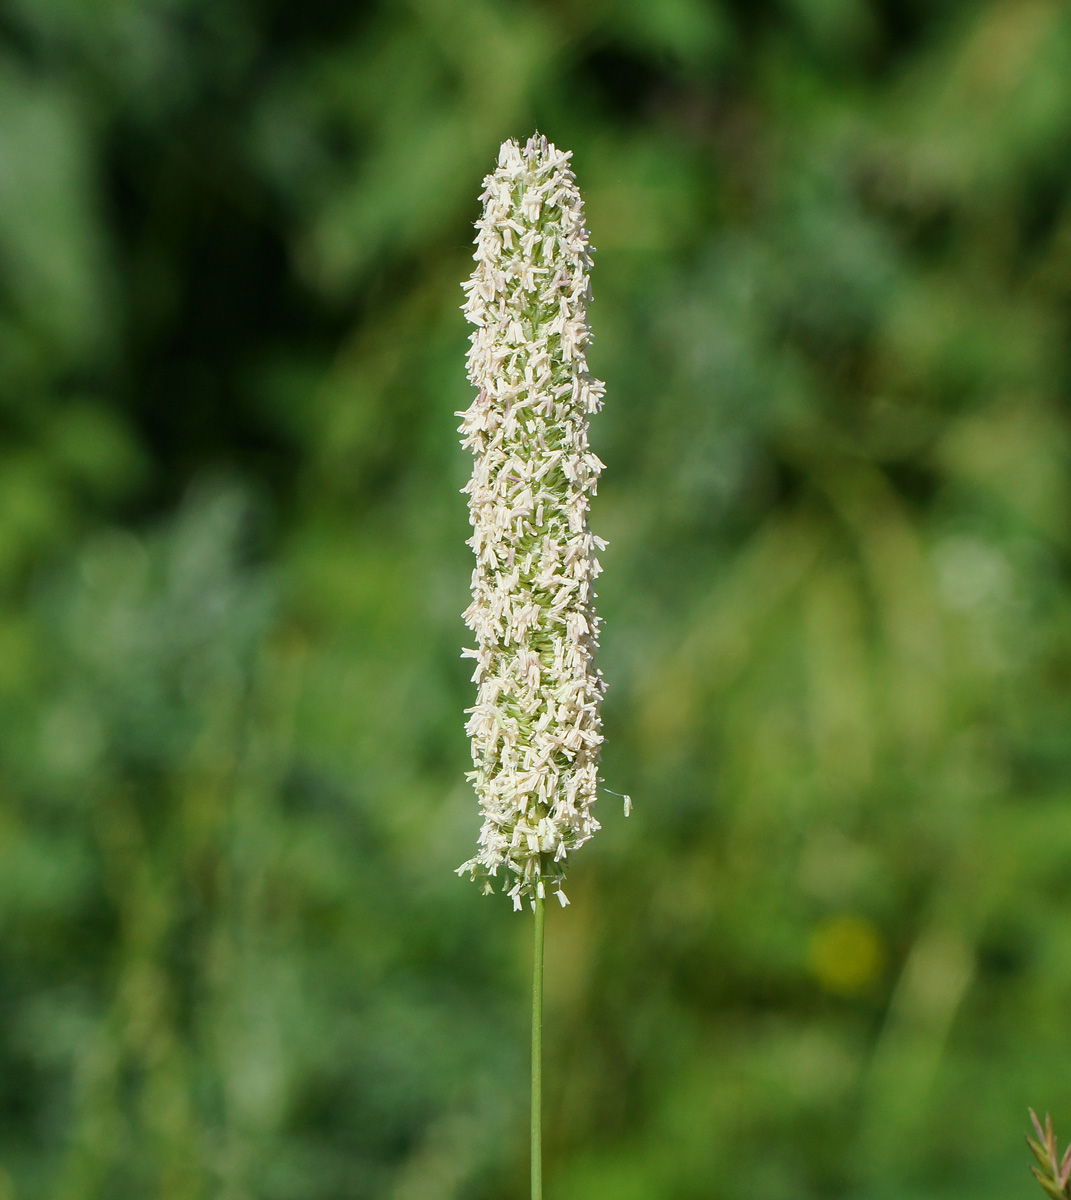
<point x="537" y="1055"/>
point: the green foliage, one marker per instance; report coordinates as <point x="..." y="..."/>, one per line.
<point x="828" y="956"/>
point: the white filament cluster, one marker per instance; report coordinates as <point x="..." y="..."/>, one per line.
<point x="535" y="726"/>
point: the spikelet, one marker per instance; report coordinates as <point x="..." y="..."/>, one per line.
<point x="1052" y="1171"/>
<point x="535" y="726"/>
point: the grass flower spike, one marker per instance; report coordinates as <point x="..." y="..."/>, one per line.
<point x="535" y="726"/>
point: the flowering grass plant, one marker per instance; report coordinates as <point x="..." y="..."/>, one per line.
<point x="535" y="725"/>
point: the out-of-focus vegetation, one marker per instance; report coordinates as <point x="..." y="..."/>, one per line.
<point x="830" y="954"/>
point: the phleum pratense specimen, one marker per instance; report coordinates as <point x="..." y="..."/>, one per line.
<point x="535" y="726"/>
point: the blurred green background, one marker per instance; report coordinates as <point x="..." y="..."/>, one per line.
<point x="830" y="953"/>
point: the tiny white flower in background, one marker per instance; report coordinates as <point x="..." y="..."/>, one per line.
<point x="535" y="726"/>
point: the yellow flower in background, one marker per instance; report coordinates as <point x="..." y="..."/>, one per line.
<point x="846" y="954"/>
